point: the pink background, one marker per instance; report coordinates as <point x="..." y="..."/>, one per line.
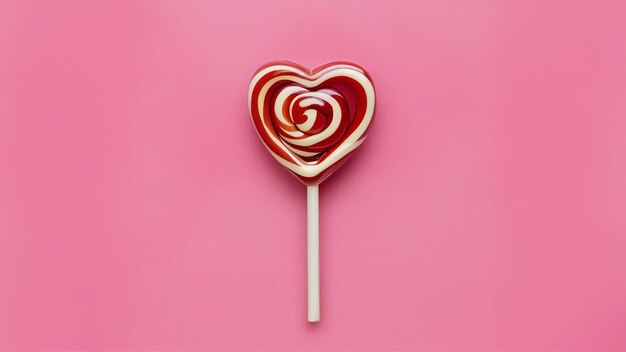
<point x="139" y="210"/>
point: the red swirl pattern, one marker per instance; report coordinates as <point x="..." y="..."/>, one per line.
<point x="311" y="120"/>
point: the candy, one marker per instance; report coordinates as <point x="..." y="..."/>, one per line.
<point x="306" y="119"/>
<point x="311" y="121"/>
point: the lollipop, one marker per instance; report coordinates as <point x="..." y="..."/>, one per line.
<point x="311" y="121"/>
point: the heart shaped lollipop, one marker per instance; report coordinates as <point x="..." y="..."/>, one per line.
<point x="310" y="121"/>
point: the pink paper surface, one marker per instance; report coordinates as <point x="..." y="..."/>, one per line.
<point x="486" y="210"/>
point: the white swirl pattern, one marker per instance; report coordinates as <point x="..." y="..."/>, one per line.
<point x="324" y="109"/>
<point x="304" y="120"/>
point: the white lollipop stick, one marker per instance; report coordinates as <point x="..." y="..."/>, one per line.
<point x="313" y="252"/>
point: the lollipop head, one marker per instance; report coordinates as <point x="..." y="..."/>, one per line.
<point x="311" y="120"/>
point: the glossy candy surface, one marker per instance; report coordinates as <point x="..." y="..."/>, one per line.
<point x="311" y="120"/>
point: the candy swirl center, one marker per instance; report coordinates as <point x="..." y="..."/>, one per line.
<point x="309" y="122"/>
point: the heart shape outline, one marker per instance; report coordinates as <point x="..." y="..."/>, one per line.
<point x="282" y="72"/>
